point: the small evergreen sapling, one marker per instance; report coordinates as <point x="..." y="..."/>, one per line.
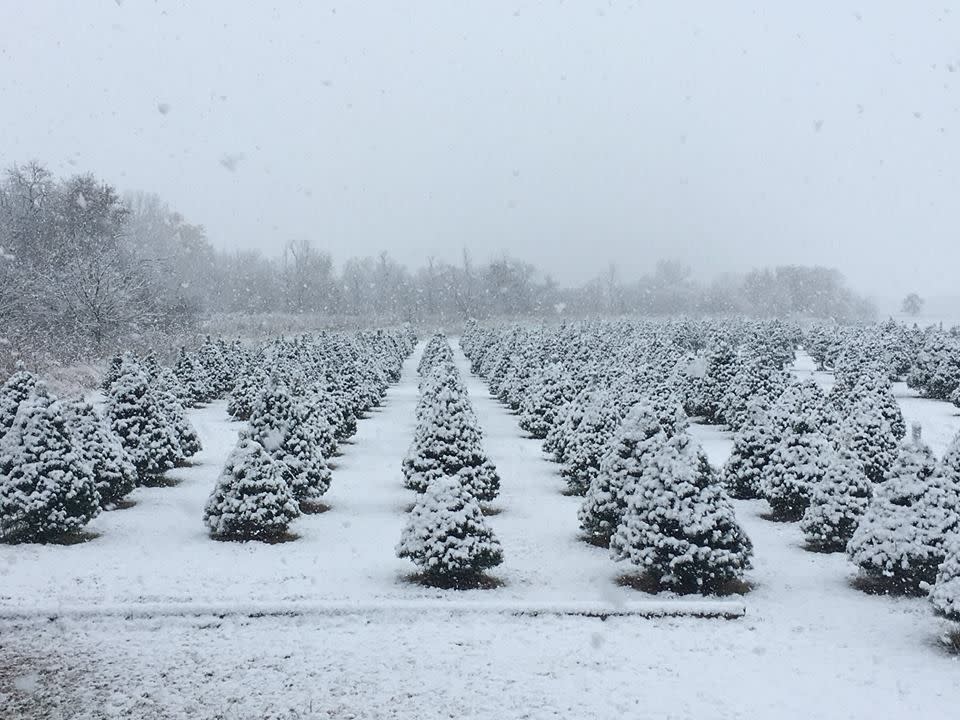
<point x="251" y="500"/>
<point x="447" y="537"/>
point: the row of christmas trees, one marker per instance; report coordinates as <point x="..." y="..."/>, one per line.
<point x="61" y="462"/>
<point x="446" y="535"/>
<point x="300" y="397"/>
<point x="649" y="493"/>
<point x="824" y="460"/>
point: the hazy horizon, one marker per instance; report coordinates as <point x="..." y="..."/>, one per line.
<point x="570" y="135"/>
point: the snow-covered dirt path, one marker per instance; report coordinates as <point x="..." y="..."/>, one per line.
<point x="538" y="525"/>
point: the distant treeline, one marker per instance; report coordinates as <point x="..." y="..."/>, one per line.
<point x="84" y="271"/>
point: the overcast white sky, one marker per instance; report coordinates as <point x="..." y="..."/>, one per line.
<point x="571" y="134"/>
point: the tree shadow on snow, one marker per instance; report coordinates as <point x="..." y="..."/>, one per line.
<point x="651" y="585"/>
<point x="481" y="581"/>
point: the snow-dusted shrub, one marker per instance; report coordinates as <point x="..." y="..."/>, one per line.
<point x="218" y="371"/>
<point x="47" y="489"/>
<point x="251" y="500"/>
<point x="436" y="351"/>
<point x="113" y="471"/>
<point x="447" y="537"/>
<point x="301" y="455"/>
<point x="900" y="540"/>
<point x="679" y="527"/>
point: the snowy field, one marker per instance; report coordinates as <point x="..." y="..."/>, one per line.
<point x="153" y="619"/>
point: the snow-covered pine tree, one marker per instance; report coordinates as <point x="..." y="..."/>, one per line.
<point x="721" y="366"/>
<point x="899" y="543"/>
<point x="113" y="471"/>
<point x="112" y="373"/>
<point x="218" y="372"/>
<point x="945" y="595"/>
<point x="447" y="537"/>
<point x="839" y="500"/>
<point x="679" y="527"/>
<point x="638" y="438"/>
<point x="796" y="467"/>
<point x="194" y="379"/>
<point x="539" y="410"/>
<point x="448" y="442"/>
<point x="871" y="437"/>
<point x="586" y="446"/>
<point x="753" y="446"/>
<point x="47" y="489"/>
<point x="757" y="383"/>
<point x="301" y="454"/>
<point x="243" y="395"/>
<point x="165" y="387"/>
<point x="15" y="390"/>
<point x="138" y="418"/>
<point x="294" y="439"/>
<point x="251" y="500"/>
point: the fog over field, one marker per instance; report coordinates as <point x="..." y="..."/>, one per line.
<point x="571" y="135"/>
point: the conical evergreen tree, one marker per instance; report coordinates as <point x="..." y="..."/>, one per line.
<point x="245" y="390"/>
<point x="15" y="390"/>
<point x="538" y="411"/>
<point x="194" y="379"/>
<point x="635" y="442"/>
<point x="138" y="418"/>
<point x="46" y="487"/>
<point x="679" y="527"/>
<point x="113" y="471"/>
<point x="164" y="385"/>
<point x="871" y="438"/>
<point x="251" y="500"/>
<point x="446" y="536"/>
<point x="586" y="447"/>
<point x="900" y="539"/>
<point x="796" y="467"/>
<point x="838" y="501"/>
<point x="946" y="593"/>
<point x="307" y="471"/>
<point x="448" y="442"/>
<point x="753" y="446"/>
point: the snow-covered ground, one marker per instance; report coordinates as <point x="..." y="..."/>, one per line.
<point x="366" y="644"/>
